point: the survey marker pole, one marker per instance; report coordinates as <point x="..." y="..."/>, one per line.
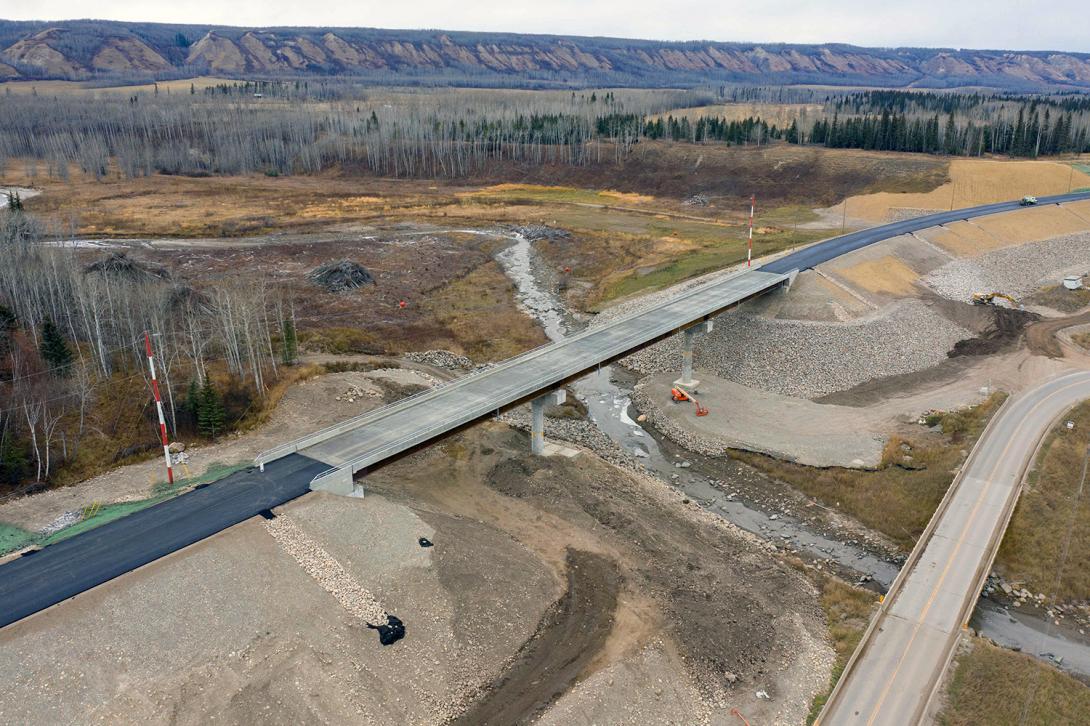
<point x="159" y="407"/>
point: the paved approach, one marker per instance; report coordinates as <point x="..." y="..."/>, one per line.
<point x="904" y="653"/>
<point x="60" y="571"/>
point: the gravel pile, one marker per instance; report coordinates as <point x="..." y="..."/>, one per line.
<point x="696" y="200"/>
<point x="580" y="432"/>
<point x="62" y="521"/>
<point x="900" y="214"/>
<point x="1016" y="271"/>
<point x="810" y="359"/>
<point x="441" y="359"/>
<point x="534" y="232"/>
<point x="326" y="571"/>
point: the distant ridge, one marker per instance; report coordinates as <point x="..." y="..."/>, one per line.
<point x="96" y="49"/>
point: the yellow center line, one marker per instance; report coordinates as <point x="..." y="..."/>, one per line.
<point x="957" y="547"/>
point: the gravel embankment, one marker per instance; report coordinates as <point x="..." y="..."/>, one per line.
<point x="580" y="432"/>
<point x="326" y="571"/>
<point x="811" y="359"/>
<point x="1016" y="271"/>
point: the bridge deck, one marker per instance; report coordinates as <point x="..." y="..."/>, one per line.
<point x="388" y="431"/>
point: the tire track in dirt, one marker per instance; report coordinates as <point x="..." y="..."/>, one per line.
<point x="571" y="633"/>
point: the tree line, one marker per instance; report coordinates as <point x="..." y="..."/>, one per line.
<point x="72" y="363"/>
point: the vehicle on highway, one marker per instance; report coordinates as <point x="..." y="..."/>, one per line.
<point x="1028" y="201"/>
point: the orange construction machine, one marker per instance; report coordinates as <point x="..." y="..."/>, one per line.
<point x="680" y="395"/>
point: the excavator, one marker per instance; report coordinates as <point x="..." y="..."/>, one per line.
<point x="993" y="298"/>
<point x="680" y="395"/>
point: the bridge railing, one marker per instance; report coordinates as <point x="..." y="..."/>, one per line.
<point x="329" y="432"/>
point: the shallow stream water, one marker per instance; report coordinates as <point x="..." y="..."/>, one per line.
<point x="608" y="401"/>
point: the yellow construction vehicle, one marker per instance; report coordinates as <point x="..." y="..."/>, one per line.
<point x="991" y="298"/>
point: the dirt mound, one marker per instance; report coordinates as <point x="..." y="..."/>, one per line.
<point x="341" y="275"/>
<point x="534" y="232"/>
<point x="119" y="264"/>
<point x="1005" y="329"/>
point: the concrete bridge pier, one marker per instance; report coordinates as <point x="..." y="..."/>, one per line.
<point x="537" y="418"/>
<point x="687" y="337"/>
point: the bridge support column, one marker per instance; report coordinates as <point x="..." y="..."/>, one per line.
<point x="537" y="418"/>
<point x="688" y="335"/>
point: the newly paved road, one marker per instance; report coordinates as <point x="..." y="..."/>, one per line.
<point x="899" y="662"/>
<point x="60" y="571"/>
<point x="63" y="570"/>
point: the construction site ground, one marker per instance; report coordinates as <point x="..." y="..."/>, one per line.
<point x="657" y="611"/>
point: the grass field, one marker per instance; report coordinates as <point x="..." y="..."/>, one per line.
<point x="1047" y="545"/>
<point x="994" y="686"/>
<point x="65" y="88"/>
<point x="898" y="498"/>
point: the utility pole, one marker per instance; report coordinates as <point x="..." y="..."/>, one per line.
<point x="844" y="216"/>
<point x="749" y="249"/>
<point x="159" y="407"/>
<point x="1071" y="178"/>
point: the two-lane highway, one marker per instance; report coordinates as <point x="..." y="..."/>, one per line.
<point x="893" y="673"/>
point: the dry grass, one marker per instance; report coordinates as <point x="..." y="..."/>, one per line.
<point x="975" y="181"/>
<point x="886" y="275"/>
<point x="81" y="88"/>
<point x="994" y="686"/>
<point x="1052" y="519"/>
<point x="898" y="498"/>
<point x="847" y="611"/>
<point x="1061" y="299"/>
<point x="477" y="312"/>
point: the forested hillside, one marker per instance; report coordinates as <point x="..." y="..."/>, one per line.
<point x="87" y="49"/>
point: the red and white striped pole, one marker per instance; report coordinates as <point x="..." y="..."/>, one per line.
<point x="159" y="407"/>
<point x="749" y="249"/>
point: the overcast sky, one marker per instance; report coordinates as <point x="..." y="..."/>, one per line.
<point x="1004" y="24"/>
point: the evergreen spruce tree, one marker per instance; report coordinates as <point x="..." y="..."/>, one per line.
<point x="54" y="349"/>
<point x="210" y="415"/>
<point x="192" y="404"/>
<point x="291" y="344"/>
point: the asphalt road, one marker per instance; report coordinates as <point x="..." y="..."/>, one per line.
<point x="903" y="656"/>
<point x="63" y="570"/>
